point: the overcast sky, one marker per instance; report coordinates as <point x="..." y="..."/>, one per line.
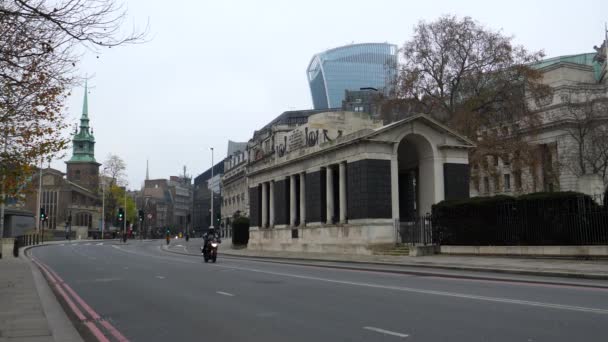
<point x="218" y="70"/>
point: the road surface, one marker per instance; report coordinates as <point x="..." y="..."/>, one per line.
<point x="142" y="293"/>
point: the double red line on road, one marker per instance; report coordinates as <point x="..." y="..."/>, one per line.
<point x="69" y="295"/>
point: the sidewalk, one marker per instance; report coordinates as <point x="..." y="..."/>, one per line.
<point x="28" y="308"/>
<point x="21" y="315"/>
<point x="575" y="268"/>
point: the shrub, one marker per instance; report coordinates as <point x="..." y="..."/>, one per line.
<point x="544" y="218"/>
<point x="240" y="230"/>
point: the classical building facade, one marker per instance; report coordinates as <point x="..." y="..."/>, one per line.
<point x="573" y="120"/>
<point x="235" y="196"/>
<point x="344" y="182"/>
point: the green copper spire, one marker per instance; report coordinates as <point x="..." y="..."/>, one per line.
<point x="85" y="105"/>
<point x="84" y="141"/>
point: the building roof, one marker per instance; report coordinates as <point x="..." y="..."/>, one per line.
<point x="234" y="146"/>
<point x="582" y="58"/>
<point x="218" y="169"/>
<point x="294" y="117"/>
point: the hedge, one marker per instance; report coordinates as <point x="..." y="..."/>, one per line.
<point x="545" y="218"/>
<point x="240" y="231"/>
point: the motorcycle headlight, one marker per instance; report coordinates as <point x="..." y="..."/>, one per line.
<point x="214" y="245"/>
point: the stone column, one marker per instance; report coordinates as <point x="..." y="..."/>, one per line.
<point x="292" y="200"/>
<point x="303" y="199"/>
<point x="264" y="204"/>
<point x="395" y="186"/>
<point x="342" y="173"/>
<point x="271" y="203"/>
<point x="329" y="187"/>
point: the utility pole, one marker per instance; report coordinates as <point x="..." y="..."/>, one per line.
<point x="3" y="198"/>
<point x="103" y="205"/>
<point x="211" y="188"/>
<point x="38" y="223"/>
<point x="124" y="221"/>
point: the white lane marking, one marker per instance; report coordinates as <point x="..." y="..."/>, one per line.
<point x="160" y="277"/>
<point x="225" y="293"/>
<point x="100" y="244"/>
<point x="87" y="244"/>
<point x="105" y="280"/>
<point x="179" y="246"/>
<point x="63" y="244"/>
<point x="386" y="332"/>
<point x="431" y="292"/>
<point x="394" y="288"/>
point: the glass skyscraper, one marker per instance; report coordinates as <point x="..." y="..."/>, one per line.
<point x="350" y="67"/>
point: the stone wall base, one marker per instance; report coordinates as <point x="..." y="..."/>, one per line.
<point x="7" y="246"/>
<point x="550" y="251"/>
<point x="336" y="239"/>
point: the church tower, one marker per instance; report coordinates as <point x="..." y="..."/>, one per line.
<point x="82" y="168"/>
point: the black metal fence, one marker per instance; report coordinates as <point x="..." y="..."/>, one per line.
<point x="418" y="231"/>
<point x="569" y="219"/>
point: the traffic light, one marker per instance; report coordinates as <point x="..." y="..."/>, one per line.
<point x="121" y="214"/>
<point x="141" y="216"/>
<point x="42" y="214"/>
<point x="218" y="218"/>
<point x="188" y="218"/>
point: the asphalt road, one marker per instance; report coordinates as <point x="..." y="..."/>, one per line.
<point x="151" y="295"/>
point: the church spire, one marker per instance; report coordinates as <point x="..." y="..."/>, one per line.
<point x="147" y="170"/>
<point x="84" y="141"/>
<point x="85" y="104"/>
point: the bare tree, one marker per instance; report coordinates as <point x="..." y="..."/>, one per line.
<point x="585" y="118"/>
<point x="114" y="169"/>
<point x="38" y="60"/>
<point x="476" y="81"/>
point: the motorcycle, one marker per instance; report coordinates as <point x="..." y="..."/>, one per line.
<point x="210" y="251"/>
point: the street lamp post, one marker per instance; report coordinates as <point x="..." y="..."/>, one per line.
<point x="124" y="221"/>
<point x="38" y="223"/>
<point x="211" y="188"/>
<point x="103" y="206"/>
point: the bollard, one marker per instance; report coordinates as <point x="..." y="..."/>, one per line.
<point x="16" y="248"/>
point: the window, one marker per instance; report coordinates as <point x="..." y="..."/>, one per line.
<point x="507" y="178"/>
<point x="486" y="184"/>
<point x="77" y="175"/>
<point x="517" y="180"/>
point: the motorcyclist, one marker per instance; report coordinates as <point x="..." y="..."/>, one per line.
<point x="209" y="235"/>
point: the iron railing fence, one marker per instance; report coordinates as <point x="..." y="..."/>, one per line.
<point x="580" y="220"/>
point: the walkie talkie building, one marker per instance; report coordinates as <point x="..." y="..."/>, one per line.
<point x="350" y="67"/>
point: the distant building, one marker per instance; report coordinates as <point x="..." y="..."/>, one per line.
<point x="364" y="100"/>
<point x="204" y="184"/>
<point x="166" y="204"/>
<point x="158" y="205"/>
<point x="181" y="194"/>
<point x="350" y="67"/>
<point x="72" y="200"/>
